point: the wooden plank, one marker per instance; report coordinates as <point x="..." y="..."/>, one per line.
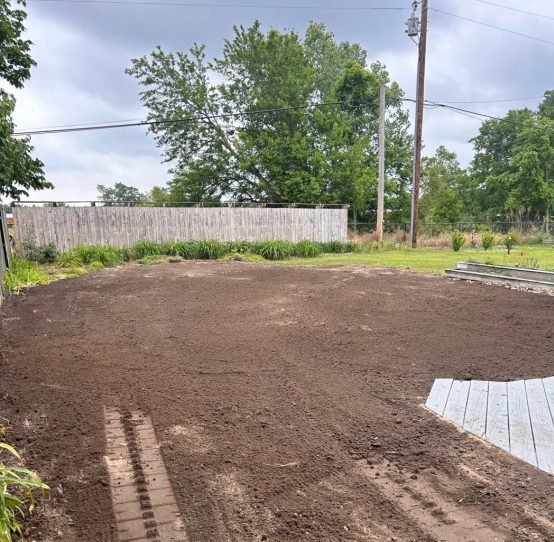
<point x="541" y="423"/>
<point x="497" y="429"/>
<point x="475" y="419"/>
<point x="521" y="433"/>
<point x="457" y="401"/>
<point x="439" y="395"/>
<point x="548" y="384"/>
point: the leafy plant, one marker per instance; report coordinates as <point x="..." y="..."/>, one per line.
<point x="48" y="253"/>
<point x="210" y="250"/>
<point x="240" y="247"/>
<point x="150" y="260"/>
<point x="22" y="274"/>
<point x="17" y="494"/>
<point x="274" y="250"/>
<point x="307" y="249"/>
<point x="510" y="240"/>
<point x="29" y="248"/>
<point x="487" y="239"/>
<point x="85" y="255"/>
<point x="147" y="248"/>
<point x="458" y="240"/>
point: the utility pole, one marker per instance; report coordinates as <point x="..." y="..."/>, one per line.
<point x="381" y="181"/>
<point x="420" y="95"/>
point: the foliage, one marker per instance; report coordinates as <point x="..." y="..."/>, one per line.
<point x="150" y="260"/>
<point x="95" y="255"/>
<point x="458" y="240"/>
<point x="325" y="154"/>
<point x="19" y="171"/>
<point x="510" y="240"/>
<point x="210" y="250"/>
<point x="118" y="195"/>
<point x="307" y="249"/>
<point x="337" y="247"/>
<point x="147" y="248"/>
<point x="21" y="274"/>
<point x="487" y="239"/>
<point x="240" y="247"/>
<point x="17" y="487"/>
<point x="274" y="250"/>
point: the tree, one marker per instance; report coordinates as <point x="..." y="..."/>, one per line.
<point x="318" y="154"/>
<point x="19" y="171"/>
<point x="118" y="195"/>
<point x="158" y="195"/>
<point x="442" y="182"/>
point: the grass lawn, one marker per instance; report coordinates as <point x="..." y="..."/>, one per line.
<point x="437" y="260"/>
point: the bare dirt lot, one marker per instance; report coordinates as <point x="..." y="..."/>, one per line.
<point x="287" y="401"/>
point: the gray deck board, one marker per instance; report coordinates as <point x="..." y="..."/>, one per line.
<point x="541" y="422"/>
<point x="516" y="416"/>
<point x="475" y="419"/>
<point x="498" y="428"/>
<point x="457" y="401"/>
<point x="439" y="395"/>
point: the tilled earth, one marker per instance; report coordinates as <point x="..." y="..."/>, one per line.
<point x="287" y="400"/>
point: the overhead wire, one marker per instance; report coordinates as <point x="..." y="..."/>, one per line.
<point x="518" y="10"/>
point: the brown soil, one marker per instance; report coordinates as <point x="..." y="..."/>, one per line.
<point x="287" y="401"/>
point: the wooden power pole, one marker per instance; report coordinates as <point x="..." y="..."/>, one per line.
<point x="381" y="181"/>
<point x="419" y="120"/>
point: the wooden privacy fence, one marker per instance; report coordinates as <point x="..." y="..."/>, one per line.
<point x="67" y="227"/>
<point x="4" y="247"/>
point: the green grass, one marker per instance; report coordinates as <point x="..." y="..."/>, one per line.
<point x="22" y="274"/>
<point x="436" y="260"/>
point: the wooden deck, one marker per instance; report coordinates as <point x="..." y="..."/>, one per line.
<point x="515" y="416"/>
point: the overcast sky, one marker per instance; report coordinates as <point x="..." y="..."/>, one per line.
<point x="83" y="49"/>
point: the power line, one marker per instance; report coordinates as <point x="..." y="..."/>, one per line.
<point x="527" y="12"/>
<point x="219" y="5"/>
<point x="493" y="101"/>
<point x="502" y="29"/>
<point x="109" y="125"/>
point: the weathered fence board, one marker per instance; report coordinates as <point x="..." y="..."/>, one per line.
<point x="4" y="247"/>
<point x="122" y="226"/>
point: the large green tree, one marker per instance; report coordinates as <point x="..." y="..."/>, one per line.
<point x="19" y="171"/>
<point x="513" y="168"/>
<point x="443" y="182"/>
<point x="320" y="154"/>
<point x="118" y="195"/>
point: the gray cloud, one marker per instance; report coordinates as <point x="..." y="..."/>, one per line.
<point x="82" y="51"/>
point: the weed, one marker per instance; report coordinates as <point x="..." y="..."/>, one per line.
<point x="85" y="255"/>
<point x="17" y="487"/>
<point x="274" y="250"/>
<point x="307" y="249"/>
<point x="22" y="274"/>
<point x="147" y="248"/>
<point x="150" y="260"/>
<point x="510" y="240"/>
<point x="210" y="250"/>
<point x="487" y="239"/>
<point x="458" y="240"/>
<point x="240" y="247"/>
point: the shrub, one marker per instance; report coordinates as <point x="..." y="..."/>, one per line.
<point x="22" y="274"/>
<point x="336" y="247"/>
<point x="147" y="248"/>
<point x="273" y="250"/>
<point x="510" y="240"/>
<point x="85" y="255"/>
<point x="458" y="240"/>
<point x="17" y="487"/>
<point x="307" y="249"/>
<point x="29" y="248"/>
<point x="210" y="250"/>
<point x="240" y="247"/>
<point x="487" y="239"/>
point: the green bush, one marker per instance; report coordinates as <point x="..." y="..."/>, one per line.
<point x="210" y="250"/>
<point x="458" y="240"/>
<point x="273" y="250"/>
<point x="487" y="239"/>
<point x="147" y="248"/>
<point x="85" y="255"/>
<point x="239" y="247"/>
<point x="17" y="487"/>
<point x="510" y="240"/>
<point x="48" y="253"/>
<point x="21" y="274"/>
<point x="336" y="247"/>
<point x="307" y="249"/>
